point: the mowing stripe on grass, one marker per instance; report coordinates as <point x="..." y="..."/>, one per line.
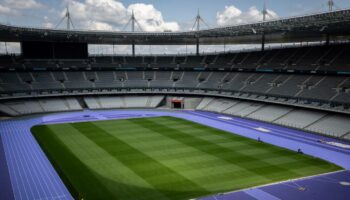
<point x="118" y="178"/>
<point x="180" y="159"/>
<point x="296" y="164"/>
<point x="166" y="154"/>
<point x="66" y="164"/>
<point x="139" y="162"/>
<point x="270" y="152"/>
<point x="265" y="169"/>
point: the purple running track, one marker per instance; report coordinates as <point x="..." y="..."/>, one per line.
<point x="31" y="176"/>
<point x="6" y="189"/>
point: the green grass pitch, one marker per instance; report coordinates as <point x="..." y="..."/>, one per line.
<point x="164" y="158"/>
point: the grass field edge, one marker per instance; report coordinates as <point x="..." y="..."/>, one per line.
<point x="72" y="190"/>
<point x="75" y="192"/>
<point x="273" y="183"/>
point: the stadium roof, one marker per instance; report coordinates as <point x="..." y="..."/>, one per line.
<point x="313" y="27"/>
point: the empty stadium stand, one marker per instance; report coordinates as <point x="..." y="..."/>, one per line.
<point x="321" y="122"/>
<point x="33" y="106"/>
<point x="275" y="85"/>
<point x="25" y="107"/>
<point x="316" y="57"/>
<point x="331" y="91"/>
<point x="123" y="102"/>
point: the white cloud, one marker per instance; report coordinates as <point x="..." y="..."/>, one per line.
<point x="17" y="7"/>
<point x="96" y="25"/>
<point x="231" y="15"/>
<point x="96" y="14"/>
<point x="226" y="16"/>
<point x="5" y="10"/>
<point x="47" y="23"/>
<point x="23" y="4"/>
<point x="151" y="19"/>
<point x="109" y="11"/>
<point x="113" y="15"/>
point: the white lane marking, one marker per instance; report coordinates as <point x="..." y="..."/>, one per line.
<point x="262" y="129"/>
<point x="225" y="118"/>
<point x="337" y="144"/>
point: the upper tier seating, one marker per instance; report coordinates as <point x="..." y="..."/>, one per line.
<point x="314" y="87"/>
<point x="330" y="57"/>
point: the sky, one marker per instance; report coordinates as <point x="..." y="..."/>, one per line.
<point x="152" y="15"/>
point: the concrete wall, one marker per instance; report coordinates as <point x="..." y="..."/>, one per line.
<point x="192" y="102"/>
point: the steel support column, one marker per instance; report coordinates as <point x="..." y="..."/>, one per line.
<point x="197" y="46"/>
<point x="263" y="42"/>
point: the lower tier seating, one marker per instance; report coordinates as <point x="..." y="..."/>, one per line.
<point x="123" y="102"/>
<point x="336" y="125"/>
<point x="25" y="107"/>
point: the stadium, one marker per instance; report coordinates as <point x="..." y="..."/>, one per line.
<point x="270" y="122"/>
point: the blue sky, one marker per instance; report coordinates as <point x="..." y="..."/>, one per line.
<point x="152" y="15"/>
<point x="183" y="10"/>
<point x="47" y="13"/>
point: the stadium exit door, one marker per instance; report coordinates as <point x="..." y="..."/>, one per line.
<point x="177" y="103"/>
